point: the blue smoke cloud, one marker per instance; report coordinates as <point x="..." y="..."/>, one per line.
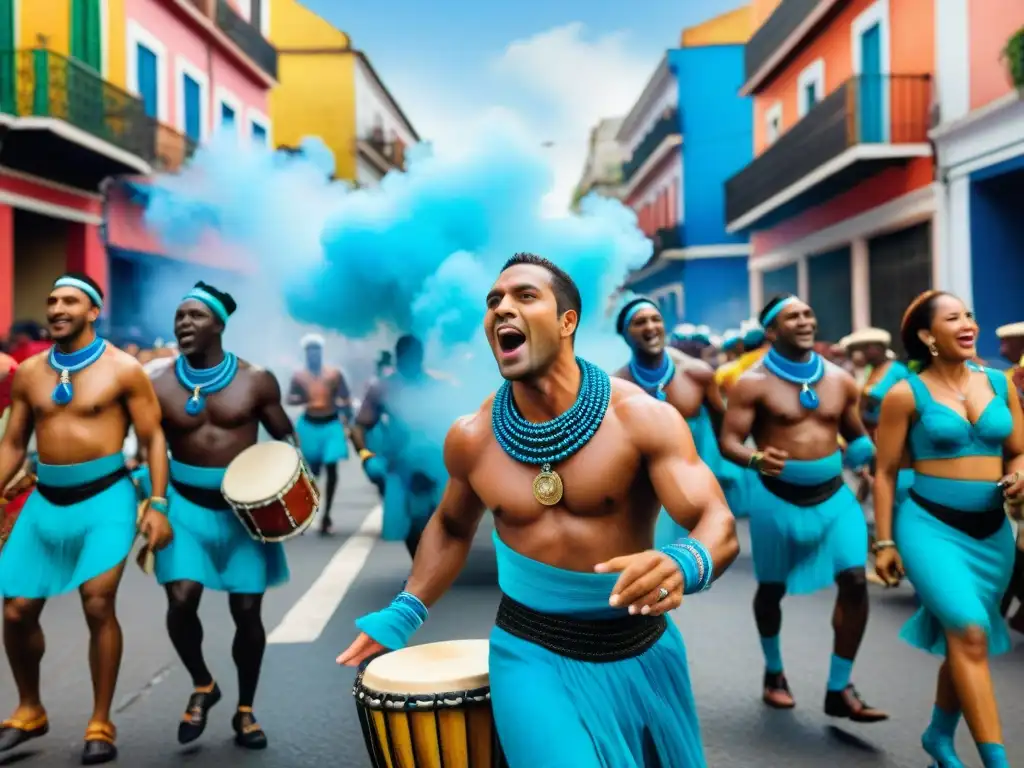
<point x="416" y="254"/>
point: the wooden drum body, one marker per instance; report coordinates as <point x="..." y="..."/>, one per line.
<point x="429" y="706"/>
<point x="271" y="491"/>
<point x="19" y="490"/>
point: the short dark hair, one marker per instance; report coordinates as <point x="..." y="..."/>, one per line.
<point x="567" y="295"/>
<point x="87" y="280"/>
<point x="620" y="321"/>
<point x="918" y="317"/>
<point x="407" y="345"/>
<point x="773" y="302"/>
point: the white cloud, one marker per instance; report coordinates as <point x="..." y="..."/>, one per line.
<point x="554" y="86"/>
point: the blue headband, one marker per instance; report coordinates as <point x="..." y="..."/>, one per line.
<point x="84" y="287"/>
<point x="641" y="304"/>
<point x="774" y="311"/>
<point x="209" y="300"/>
<point x="731" y="340"/>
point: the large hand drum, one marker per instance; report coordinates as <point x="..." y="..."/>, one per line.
<point x="429" y="706"/>
<point x="271" y="490"/>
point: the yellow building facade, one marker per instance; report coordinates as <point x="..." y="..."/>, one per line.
<point x="730" y="28"/>
<point x="98" y="27"/>
<point x="317" y="83"/>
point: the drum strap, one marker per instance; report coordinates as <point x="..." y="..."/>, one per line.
<point x="207" y="498"/>
<point x="66" y="496"/>
<point x="595" y="640"/>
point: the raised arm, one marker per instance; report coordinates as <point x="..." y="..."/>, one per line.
<point x="442" y="553"/>
<point x="271" y="411"/>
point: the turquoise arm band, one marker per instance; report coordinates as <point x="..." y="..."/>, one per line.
<point x="694" y="560"/>
<point x="859" y="453"/>
<point x="396" y="624"/>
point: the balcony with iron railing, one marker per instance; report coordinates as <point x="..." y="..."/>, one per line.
<point x="773" y="34"/>
<point x="110" y="132"/>
<point x="666" y="126"/>
<point x="884" y="117"/>
<point x="385" y="153"/>
<point x="247" y="37"/>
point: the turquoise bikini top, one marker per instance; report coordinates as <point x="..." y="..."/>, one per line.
<point x="895" y="373"/>
<point x="941" y="433"/>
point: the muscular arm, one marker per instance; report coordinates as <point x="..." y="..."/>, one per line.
<point x="851" y="426"/>
<point x="448" y="536"/>
<point x="890" y="444"/>
<point x="14" y="445"/>
<point x="368" y="416"/>
<point x="144" y="410"/>
<point x="296" y="392"/>
<point x="684" y="484"/>
<point x="271" y="412"/>
<point x="739" y="420"/>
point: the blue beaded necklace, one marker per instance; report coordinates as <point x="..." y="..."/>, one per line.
<point x="204" y="381"/>
<point x="803" y="374"/>
<point x="72" y="362"/>
<point x="550" y="442"/>
<point x="654" y="380"/>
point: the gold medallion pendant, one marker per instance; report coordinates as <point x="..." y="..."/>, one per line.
<point x="547" y="486"/>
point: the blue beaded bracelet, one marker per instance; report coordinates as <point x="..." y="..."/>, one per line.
<point x="695" y="562"/>
<point x="396" y="624"/>
<point x="859" y="453"/>
<point x="160" y="505"/>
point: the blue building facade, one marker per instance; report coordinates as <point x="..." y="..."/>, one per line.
<point x="706" y="268"/>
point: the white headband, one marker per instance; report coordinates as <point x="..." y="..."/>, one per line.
<point x="312" y="340"/>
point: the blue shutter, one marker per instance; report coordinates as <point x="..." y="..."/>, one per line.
<point x="146" y="76"/>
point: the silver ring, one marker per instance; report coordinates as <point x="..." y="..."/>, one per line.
<point x="662" y="594"/>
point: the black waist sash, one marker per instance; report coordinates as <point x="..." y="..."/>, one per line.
<point x="320" y="418"/>
<point x="208" y="498"/>
<point x="595" y="640"/>
<point x="802" y="495"/>
<point x="977" y="525"/>
<point x="68" y="495"/>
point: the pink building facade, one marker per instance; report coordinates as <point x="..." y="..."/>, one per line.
<point x="979" y="141"/>
<point x="200" y="67"/>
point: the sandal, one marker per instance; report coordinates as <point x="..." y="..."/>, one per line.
<point x="99" y="743"/>
<point x="193" y="722"/>
<point x="248" y="732"/>
<point x="15" y="732"/>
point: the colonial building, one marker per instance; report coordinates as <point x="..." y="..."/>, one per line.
<point x="684" y="137"/>
<point x="602" y="170"/>
<point x="331" y="90"/>
<point x="839" y="199"/>
<point x="980" y="143"/>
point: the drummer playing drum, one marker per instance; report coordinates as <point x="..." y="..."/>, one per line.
<point x="213" y="404"/>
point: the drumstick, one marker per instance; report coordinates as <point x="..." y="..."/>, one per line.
<point x="145" y="558"/>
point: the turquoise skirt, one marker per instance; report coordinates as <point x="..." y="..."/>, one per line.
<point x="959" y="580"/>
<point x="322" y="443"/>
<point x="55" y="549"/>
<point x="211" y="546"/>
<point x="555" y="712"/>
<point x="806" y="547"/>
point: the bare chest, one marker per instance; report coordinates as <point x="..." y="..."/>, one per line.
<point x="780" y="402"/>
<point x="95" y="390"/>
<point x="601" y="479"/>
<point x="234" y="407"/>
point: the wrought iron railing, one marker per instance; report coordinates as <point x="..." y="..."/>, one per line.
<point x="171" y="149"/>
<point x="41" y="83"/>
<point x="866" y="109"/>
<point x="247" y="37"/>
<point x="393" y="150"/>
<point x="667" y="125"/>
<point x="784" y="20"/>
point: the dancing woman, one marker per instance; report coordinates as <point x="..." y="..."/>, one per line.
<point x="963" y="433"/>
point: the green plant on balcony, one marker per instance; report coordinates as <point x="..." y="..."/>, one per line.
<point x="1014" y="55"/>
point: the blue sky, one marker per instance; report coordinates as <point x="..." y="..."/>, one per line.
<point x="554" y="68"/>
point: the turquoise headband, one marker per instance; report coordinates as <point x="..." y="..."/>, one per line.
<point x="731" y="340"/>
<point x="642" y="304"/>
<point x="84" y="287"/>
<point x="774" y="311"/>
<point x="209" y="300"/>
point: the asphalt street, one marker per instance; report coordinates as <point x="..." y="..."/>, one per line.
<point x="305" y="702"/>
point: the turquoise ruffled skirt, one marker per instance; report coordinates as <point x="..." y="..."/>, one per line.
<point x="55" y="549"/>
<point x="323" y="443"/>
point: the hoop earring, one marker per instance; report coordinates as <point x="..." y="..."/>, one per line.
<point x="933" y="349"/>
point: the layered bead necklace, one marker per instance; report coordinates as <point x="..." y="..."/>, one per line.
<point x="72" y="362"/>
<point x="654" y="381"/>
<point x="202" y="382"/>
<point x="547" y="443"/>
<point x="804" y="375"/>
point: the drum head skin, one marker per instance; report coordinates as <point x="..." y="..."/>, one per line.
<point x="455" y="665"/>
<point x="260" y="472"/>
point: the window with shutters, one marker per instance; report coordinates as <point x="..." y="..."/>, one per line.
<point x="900" y="267"/>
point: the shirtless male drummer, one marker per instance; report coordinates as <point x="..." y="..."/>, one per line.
<point x="324" y="392"/>
<point x="806" y="528"/>
<point x="213" y="404"/>
<point x="574" y="539"/>
<point x="78" y="527"/>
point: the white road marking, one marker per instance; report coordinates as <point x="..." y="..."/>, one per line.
<point x="305" y="621"/>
